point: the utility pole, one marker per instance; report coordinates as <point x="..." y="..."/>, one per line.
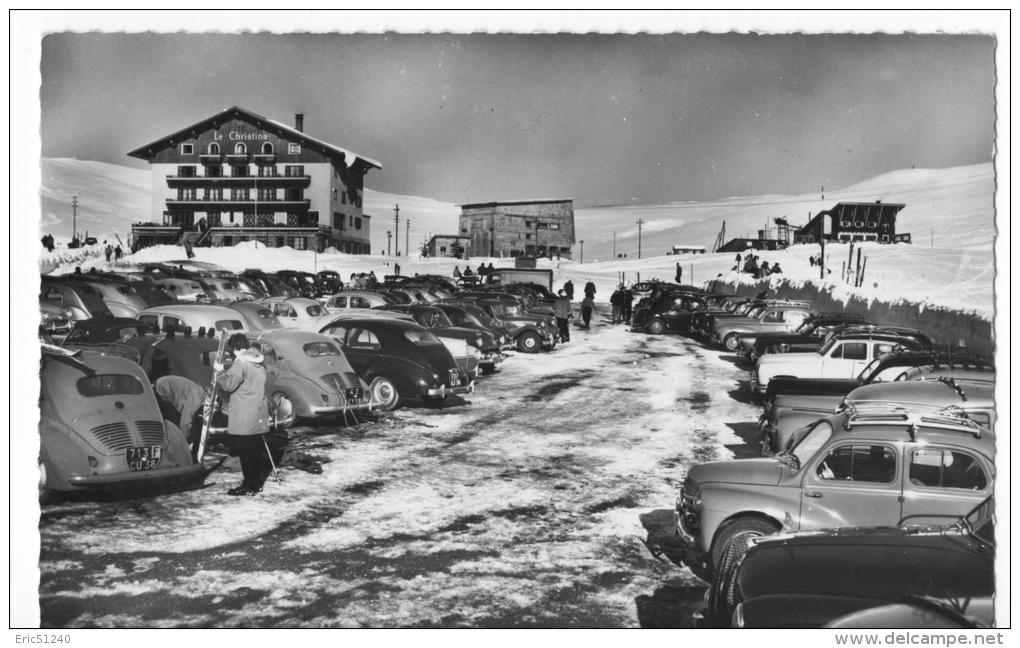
<point x="407" y="237"/>
<point x="389" y="236"/>
<point x="396" y="229"/>
<point x="582" y="250"/>
<point x="74" y="217"/>
<point x="640" y="222"/>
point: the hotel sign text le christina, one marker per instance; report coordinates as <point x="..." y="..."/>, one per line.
<point x="241" y="136"/>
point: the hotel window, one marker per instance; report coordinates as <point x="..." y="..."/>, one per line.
<point x="187" y="149"/>
<point x="338" y="220"/>
<point x="343" y="197"/>
<point x="214" y="171"/>
<point x="357" y="223"/>
<point x="214" y="194"/>
<point x="294" y="170"/>
<point x="858" y="223"/>
<point x="214" y="149"/>
<point x="239" y="171"/>
<point x="268" y="172"/>
<point x="267" y="194"/>
<point x="357" y="202"/>
<point x="872" y="224"/>
<point x="554" y="226"/>
<point x="186" y="194"/>
<point x="334" y="193"/>
<point x="844" y="223"/>
<point x="267" y="149"/>
<point x="214" y="219"/>
<point x="885" y="238"/>
<point x="186" y="171"/>
<point x="299" y="243"/>
<point x="350" y="220"/>
<point x="294" y="149"/>
<point x="240" y="194"/>
<point x="240" y="148"/>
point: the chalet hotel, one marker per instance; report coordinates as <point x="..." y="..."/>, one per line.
<point x="238" y="176"/>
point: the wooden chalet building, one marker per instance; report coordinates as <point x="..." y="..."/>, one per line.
<point x="854" y="221"/>
<point x="237" y="176"/>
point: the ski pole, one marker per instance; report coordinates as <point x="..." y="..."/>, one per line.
<point x="272" y="463"/>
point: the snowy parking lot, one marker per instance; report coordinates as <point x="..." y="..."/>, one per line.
<point x="544" y="499"/>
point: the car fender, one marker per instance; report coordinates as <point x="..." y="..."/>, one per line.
<point x="724" y="502"/>
<point x="300" y="391"/>
<point x="62" y="452"/>
<point x="404" y="373"/>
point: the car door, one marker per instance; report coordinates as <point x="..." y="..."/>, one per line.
<point x="286" y="314"/>
<point x="852" y="483"/>
<point x="773" y="320"/>
<point x="943" y="483"/>
<point x="845" y="360"/>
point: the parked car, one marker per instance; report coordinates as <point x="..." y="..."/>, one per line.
<point x="297" y="312"/>
<point x="227" y="289"/>
<point x="152" y="293"/>
<point x="310" y="375"/>
<point x="123" y="336"/>
<point x="399" y="360"/>
<point x="667" y="311"/>
<point x="257" y="318"/>
<point x="192" y="357"/>
<point x="835" y="577"/>
<point x="100" y="428"/>
<point x="776" y="318"/>
<point x="806" y="337"/>
<point x="470" y="316"/>
<point x="185" y="289"/>
<point x="977" y="402"/>
<point x="121" y="297"/>
<point x="867" y="468"/>
<point x="331" y="282"/>
<point x="843" y="356"/>
<point x="358" y="299"/>
<point x="183" y="316"/>
<point x="530" y="332"/>
<point x="488" y="354"/>
<point x="80" y="300"/>
<point x="269" y="284"/>
<point x="703" y="322"/>
<point x="306" y="283"/>
<point x="54" y="320"/>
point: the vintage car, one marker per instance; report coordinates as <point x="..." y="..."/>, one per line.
<point x="257" y="318"/>
<point x="297" y="312"/>
<point x="123" y="336"/>
<point x="153" y="294"/>
<point x="776" y="318"/>
<point x="807" y="337"/>
<point x="867" y="466"/>
<point x="81" y="301"/>
<point x="780" y="431"/>
<point x="269" y="284"/>
<point x="100" y="428"/>
<point x="121" y="297"/>
<point x="227" y="289"/>
<point x="820" y="578"/>
<point x="399" y="360"/>
<point x="843" y="356"/>
<point x="185" y="289"/>
<point x="470" y="316"/>
<point x="54" y="321"/>
<point x="183" y="316"/>
<point x="703" y="322"/>
<point x="358" y="299"/>
<point x="530" y="332"/>
<point x="488" y="354"/>
<point x="331" y="282"/>
<point x="306" y="283"/>
<point x="667" y="311"/>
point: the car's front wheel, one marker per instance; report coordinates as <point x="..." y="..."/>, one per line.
<point x="384" y="393"/>
<point x="655" y="327"/>
<point x="731" y="342"/>
<point x="529" y="342"/>
<point x="731" y="541"/>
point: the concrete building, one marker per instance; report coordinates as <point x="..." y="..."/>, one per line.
<point x="534" y="228"/>
<point x="447" y="245"/>
<point x="237" y="176"/>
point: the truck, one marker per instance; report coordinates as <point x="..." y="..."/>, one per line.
<point x="505" y="276"/>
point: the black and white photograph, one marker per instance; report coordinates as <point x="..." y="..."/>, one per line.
<point x="504" y="320"/>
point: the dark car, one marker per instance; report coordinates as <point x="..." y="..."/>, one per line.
<point x="122" y="336"/>
<point x="330" y="281"/>
<point x="436" y="320"/>
<point x="399" y="360"/>
<point x="811" y="579"/>
<point x="271" y="285"/>
<point x="306" y="283"/>
<point x="667" y="311"/>
<point x="471" y="316"/>
<point x="807" y="337"/>
<point x="531" y="332"/>
<point x="81" y="301"/>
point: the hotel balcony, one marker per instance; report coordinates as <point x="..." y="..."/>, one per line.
<point x="240" y="182"/>
<point x="292" y="206"/>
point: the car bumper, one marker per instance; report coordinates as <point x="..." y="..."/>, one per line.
<point x="687" y="523"/>
<point x="756" y="386"/>
<point x="444" y="390"/>
<point x="177" y="473"/>
<point x="548" y="340"/>
<point x="492" y="359"/>
<point x="330" y="410"/>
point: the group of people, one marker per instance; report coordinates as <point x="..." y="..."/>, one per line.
<point x="468" y="275"/>
<point x="112" y="252"/>
<point x="363" y="281"/>
<point x="752" y="267"/>
<point x="622" y="301"/>
<point x="47" y="241"/>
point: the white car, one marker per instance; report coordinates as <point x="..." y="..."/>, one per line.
<point x="843" y="356"/>
<point x="298" y="312"/>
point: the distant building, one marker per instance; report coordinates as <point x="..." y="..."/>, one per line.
<point x="447" y="245"/>
<point x="854" y="221"/>
<point x="741" y="244"/>
<point x="537" y="228"/>
<point x="686" y="249"/>
<point x="237" y="176"/>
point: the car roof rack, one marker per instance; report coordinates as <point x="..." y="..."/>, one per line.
<point x="913" y="415"/>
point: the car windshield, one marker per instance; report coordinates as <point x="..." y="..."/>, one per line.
<point x="422" y="338"/>
<point x="316" y="311"/>
<point x="434" y="318"/>
<point x="869" y="371"/>
<point x="507" y="310"/>
<point x="812" y="441"/>
<point x="806" y="326"/>
<point x="109" y="385"/>
<point x="316" y="349"/>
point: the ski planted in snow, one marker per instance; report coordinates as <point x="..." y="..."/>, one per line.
<point x="209" y="406"/>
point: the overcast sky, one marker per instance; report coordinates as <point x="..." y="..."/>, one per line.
<point x="602" y="119"/>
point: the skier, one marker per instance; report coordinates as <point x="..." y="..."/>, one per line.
<point x="245" y="381"/>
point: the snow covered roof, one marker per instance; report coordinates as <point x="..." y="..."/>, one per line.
<point x="540" y="201"/>
<point x="351" y="158"/>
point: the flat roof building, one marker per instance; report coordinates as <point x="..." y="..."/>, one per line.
<point x="237" y="176"/>
<point x="447" y="245"/>
<point x="535" y="228"/>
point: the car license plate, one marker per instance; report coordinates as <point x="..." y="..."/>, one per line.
<point x="454" y="378"/>
<point x="355" y="394"/>
<point x="144" y="457"/>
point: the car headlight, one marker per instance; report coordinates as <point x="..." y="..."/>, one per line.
<point x="479" y="341"/>
<point x="68" y="314"/>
